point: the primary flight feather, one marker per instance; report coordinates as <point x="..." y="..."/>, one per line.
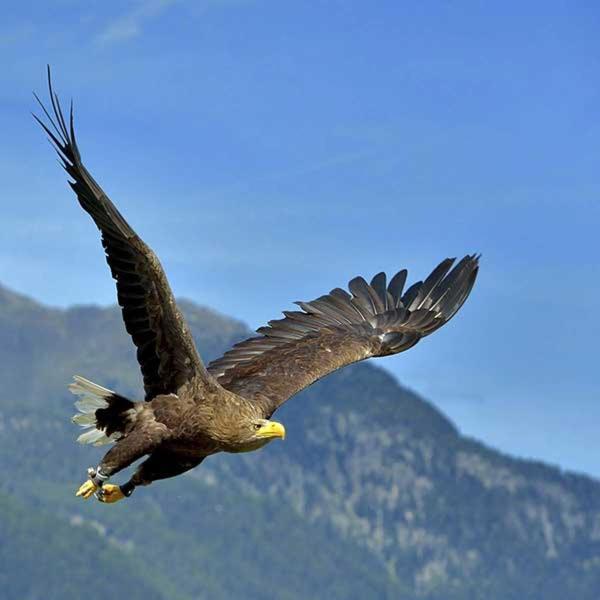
<point x="191" y="411"/>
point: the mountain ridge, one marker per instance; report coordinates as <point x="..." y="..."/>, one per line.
<point x="391" y="479"/>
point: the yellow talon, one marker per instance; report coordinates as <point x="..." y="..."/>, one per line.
<point x="110" y="493"/>
<point x="87" y="489"/>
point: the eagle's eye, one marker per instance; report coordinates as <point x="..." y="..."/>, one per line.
<point x="257" y="426"/>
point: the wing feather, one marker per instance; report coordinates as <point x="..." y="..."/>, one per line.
<point x="378" y="285"/>
<point x="396" y="286"/>
<point x="363" y="296"/>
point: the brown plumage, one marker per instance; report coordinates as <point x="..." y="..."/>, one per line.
<point x="191" y="411"/>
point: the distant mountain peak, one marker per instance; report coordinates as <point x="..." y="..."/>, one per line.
<point x="10" y="298"/>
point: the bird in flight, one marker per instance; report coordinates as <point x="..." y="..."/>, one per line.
<point x="191" y="411"/>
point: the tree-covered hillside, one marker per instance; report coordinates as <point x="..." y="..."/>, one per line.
<point x="374" y="494"/>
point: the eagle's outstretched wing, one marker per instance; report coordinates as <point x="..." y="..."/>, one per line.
<point x="165" y="349"/>
<point x="340" y="328"/>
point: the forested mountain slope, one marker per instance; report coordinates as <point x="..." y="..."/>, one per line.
<point x="374" y="493"/>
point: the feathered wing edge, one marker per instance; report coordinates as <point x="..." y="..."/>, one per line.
<point x="399" y="317"/>
<point x="89" y="193"/>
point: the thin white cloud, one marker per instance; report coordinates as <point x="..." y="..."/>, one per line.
<point x="130" y="25"/>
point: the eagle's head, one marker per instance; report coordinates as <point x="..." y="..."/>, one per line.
<point x="254" y="433"/>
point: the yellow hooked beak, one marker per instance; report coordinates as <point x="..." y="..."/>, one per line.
<point x="272" y="429"/>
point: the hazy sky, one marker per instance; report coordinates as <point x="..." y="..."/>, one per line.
<point x="270" y="151"/>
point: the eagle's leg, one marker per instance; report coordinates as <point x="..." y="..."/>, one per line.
<point x="126" y="451"/>
<point x="161" y="464"/>
<point x="105" y="492"/>
<point x="89" y="487"/>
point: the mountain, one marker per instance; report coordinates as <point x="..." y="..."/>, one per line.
<point x="374" y="494"/>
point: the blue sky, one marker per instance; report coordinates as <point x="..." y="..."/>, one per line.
<point x="270" y="151"/>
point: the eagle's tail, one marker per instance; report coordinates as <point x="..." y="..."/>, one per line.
<point x="104" y="414"/>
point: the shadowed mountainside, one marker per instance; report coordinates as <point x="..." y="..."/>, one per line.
<point x="373" y="494"/>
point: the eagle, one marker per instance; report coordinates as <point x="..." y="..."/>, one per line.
<point x="191" y="411"/>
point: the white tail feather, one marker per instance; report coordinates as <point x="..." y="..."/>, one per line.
<point x="84" y="387"/>
<point x="88" y="404"/>
<point x="84" y="420"/>
<point x="92" y="397"/>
